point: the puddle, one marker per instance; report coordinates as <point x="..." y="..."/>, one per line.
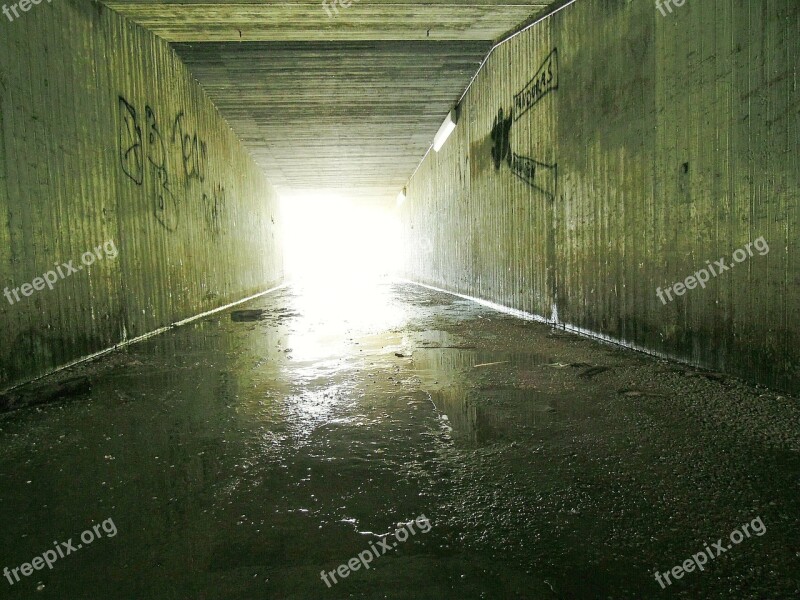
<point x="240" y="461"/>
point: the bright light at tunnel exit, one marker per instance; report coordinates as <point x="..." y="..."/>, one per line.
<point x="329" y="240"/>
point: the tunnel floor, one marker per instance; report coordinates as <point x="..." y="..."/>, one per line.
<point x="461" y="452"/>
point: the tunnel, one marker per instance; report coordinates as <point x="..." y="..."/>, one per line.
<point x="385" y="299"/>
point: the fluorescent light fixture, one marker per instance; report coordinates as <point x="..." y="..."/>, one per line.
<point x="445" y="130"/>
<point x="401" y="197"/>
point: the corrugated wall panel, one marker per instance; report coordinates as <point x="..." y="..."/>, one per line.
<point x="669" y="142"/>
<point x="194" y="222"/>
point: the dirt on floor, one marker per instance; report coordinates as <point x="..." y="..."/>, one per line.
<point x="258" y="453"/>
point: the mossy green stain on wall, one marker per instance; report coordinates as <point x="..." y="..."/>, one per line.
<point x="199" y="230"/>
<point x="676" y="142"/>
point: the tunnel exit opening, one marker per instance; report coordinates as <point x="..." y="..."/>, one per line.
<point x="333" y="241"/>
<point x="339" y="257"/>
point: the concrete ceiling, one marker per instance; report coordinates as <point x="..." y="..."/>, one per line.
<point x="347" y="103"/>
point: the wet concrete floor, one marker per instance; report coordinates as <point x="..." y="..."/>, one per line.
<point x="240" y="456"/>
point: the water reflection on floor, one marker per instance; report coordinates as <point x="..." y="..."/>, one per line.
<point x="241" y="457"/>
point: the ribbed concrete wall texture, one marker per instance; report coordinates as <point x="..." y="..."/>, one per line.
<point x="634" y="175"/>
<point x="127" y="202"/>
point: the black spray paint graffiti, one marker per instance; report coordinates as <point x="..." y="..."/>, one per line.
<point x="539" y="175"/>
<point x="501" y="139"/>
<point x="166" y="208"/>
<point x="132" y="152"/>
<point x="544" y="82"/>
<point x="193" y="151"/>
<point x="214" y="207"/>
<point x="130" y="142"/>
<point x="193" y="154"/>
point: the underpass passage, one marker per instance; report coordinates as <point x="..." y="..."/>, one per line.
<point x="259" y="451"/>
<point x="177" y="424"/>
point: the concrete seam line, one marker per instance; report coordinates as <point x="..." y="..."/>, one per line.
<point x="486" y="59"/>
<point x="565" y="326"/>
<point x="488" y="303"/>
<point x="140" y="338"/>
<point x="510" y="37"/>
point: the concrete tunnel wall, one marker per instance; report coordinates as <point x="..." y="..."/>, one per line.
<point x="632" y="149"/>
<point x="105" y="138"/>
